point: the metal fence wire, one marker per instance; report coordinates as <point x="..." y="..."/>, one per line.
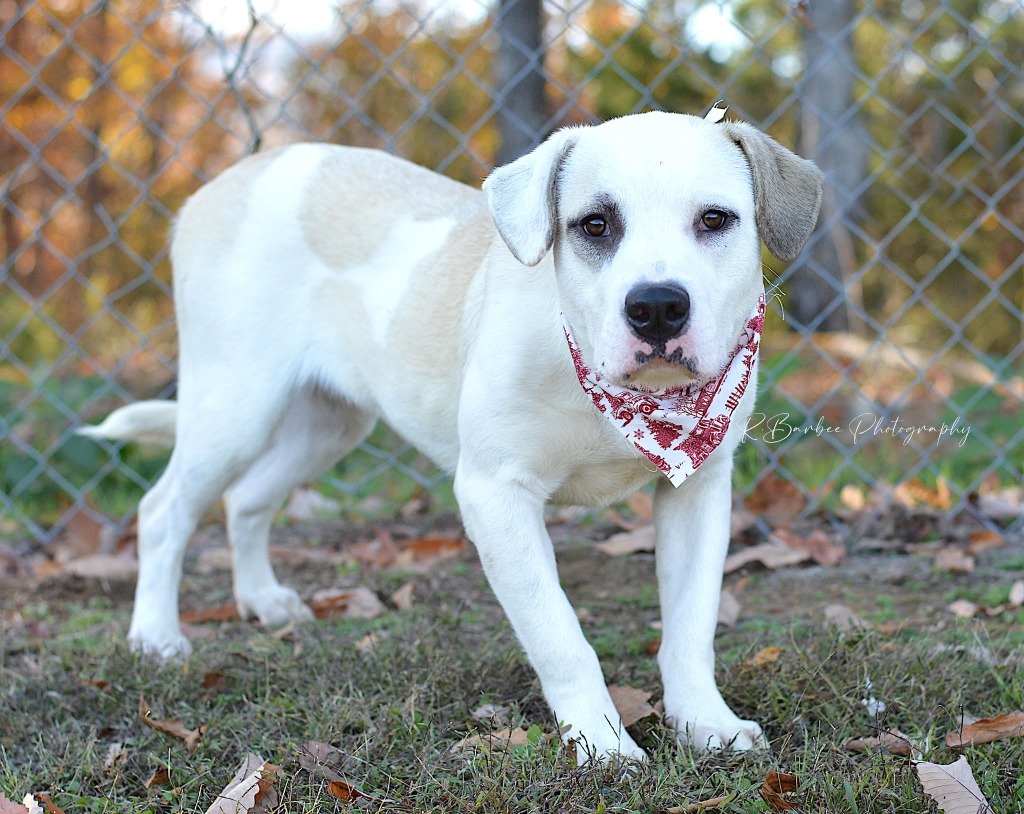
<point x="893" y="355"/>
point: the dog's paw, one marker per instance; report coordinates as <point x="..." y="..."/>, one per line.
<point x="603" y="743"/>
<point x="168" y="646"/>
<point x="727" y="732"/>
<point x="274" y="607"/>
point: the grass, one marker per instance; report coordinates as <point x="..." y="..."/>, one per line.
<point x="397" y="710"/>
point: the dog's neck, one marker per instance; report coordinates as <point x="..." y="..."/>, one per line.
<point x="676" y="429"/>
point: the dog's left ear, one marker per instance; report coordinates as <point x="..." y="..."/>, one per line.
<point x="787" y="190"/>
<point x="521" y="196"/>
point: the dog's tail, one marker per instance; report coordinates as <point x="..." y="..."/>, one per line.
<point x="149" y="422"/>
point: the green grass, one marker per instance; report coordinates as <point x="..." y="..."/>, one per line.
<point x="397" y="710"/>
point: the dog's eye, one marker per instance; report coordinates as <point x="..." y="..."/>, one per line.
<point x="595" y="226"/>
<point x="713" y="220"/>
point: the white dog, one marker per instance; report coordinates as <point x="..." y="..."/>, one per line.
<point x="321" y="288"/>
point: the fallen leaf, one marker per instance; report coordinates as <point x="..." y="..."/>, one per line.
<point x="48" y="805"/>
<point x="251" y="790"/>
<point x="741" y="520"/>
<point x="914" y="492"/>
<point x="963" y="608"/>
<point x="701" y="805"/>
<point x="843" y="618"/>
<point x="351" y="603"/>
<point x="11" y="807"/>
<point x="765" y="656"/>
<point x="369" y="642"/>
<point x="175" y="729"/>
<point x="160" y="777"/>
<point x="954" y="559"/>
<point x="628" y="542"/>
<point x="115" y="758"/>
<point x="852" y="498"/>
<point x="322" y="760"/>
<point x="632" y="704"/>
<point x="777" y="500"/>
<point x="348" y="793"/>
<point x="775" y="785"/>
<point x="213" y="682"/>
<point x="402" y="598"/>
<point x="503" y="739"/>
<point x="491" y="712"/>
<point x="642" y="505"/>
<point x="31" y="805"/>
<point x="113" y="567"/>
<point x="770" y="555"/>
<point x="953" y="787"/>
<point x="893" y="741"/>
<point x="729" y="608"/>
<point x="308" y="504"/>
<point x="1016" y="594"/>
<point x="219" y="613"/>
<point x="428" y="551"/>
<point x="985" y="541"/>
<point x="986" y="730"/>
<point x="823" y="551"/>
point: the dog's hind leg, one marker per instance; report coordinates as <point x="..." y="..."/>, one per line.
<point x="217" y="437"/>
<point x="315" y="432"/>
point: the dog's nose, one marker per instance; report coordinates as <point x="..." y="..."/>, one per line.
<point x="657" y="313"/>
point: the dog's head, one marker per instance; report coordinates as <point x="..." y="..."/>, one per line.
<point x="655" y="221"/>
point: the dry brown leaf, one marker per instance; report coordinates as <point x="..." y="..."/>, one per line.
<point x="11" y="807"/>
<point x="322" y="760"/>
<point x="953" y="787"/>
<point x="112" y="567"/>
<point x="954" y="559"/>
<point x="628" y="542"/>
<point x="503" y="739"/>
<point x="729" y="608"/>
<point x="775" y="785"/>
<point x="380" y="552"/>
<point x="963" y="608"/>
<point x="822" y="550"/>
<point x="402" y="598"/>
<point x="219" y="613"/>
<point x="308" y="504"/>
<point x="770" y="555"/>
<point x="160" y="777"/>
<point x="642" y="505"/>
<point x="778" y="501"/>
<point x="425" y="553"/>
<point x="632" y="704"/>
<point x="985" y="541"/>
<point x="175" y="729"/>
<point x="251" y="790"/>
<point x="852" y="498"/>
<point x="701" y="805"/>
<point x="351" y="603"/>
<point x="765" y="656"/>
<point x="843" y="618"/>
<point x="48" y="805"/>
<point x="369" y="642"/>
<point x="741" y="520"/>
<point x="491" y="712"/>
<point x="348" y="793"/>
<point x="893" y="741"/>
<point x="213" y="682"/>
<point x="913" y="493"/>
<point x="986" y="730"/>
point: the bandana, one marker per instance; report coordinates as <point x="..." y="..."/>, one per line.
<point x="677" y="429"/>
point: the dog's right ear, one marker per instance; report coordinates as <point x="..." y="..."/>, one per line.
<point x="521" y="196"/>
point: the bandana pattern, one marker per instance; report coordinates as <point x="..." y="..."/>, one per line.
<point x="676" y="429"/>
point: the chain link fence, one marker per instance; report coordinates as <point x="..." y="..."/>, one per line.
<point x="893" y="356"/>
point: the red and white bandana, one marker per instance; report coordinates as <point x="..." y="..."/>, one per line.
<point x="676" y="429"/>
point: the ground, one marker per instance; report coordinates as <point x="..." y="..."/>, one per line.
<point x="396" y="693"/>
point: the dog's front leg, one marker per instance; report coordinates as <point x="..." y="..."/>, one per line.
<point x="506" y="523"/>
<point x="692" y="537"/>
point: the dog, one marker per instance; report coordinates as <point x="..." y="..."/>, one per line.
<point x="535" y="339"/>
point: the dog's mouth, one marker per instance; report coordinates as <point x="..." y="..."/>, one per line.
<point x="657" y="370"/>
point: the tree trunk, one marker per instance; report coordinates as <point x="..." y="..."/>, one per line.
<point x="832" y="135"/>
<point x="519" y="78"/>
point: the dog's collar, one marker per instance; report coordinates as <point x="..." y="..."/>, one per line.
<point x="676" y="429"/>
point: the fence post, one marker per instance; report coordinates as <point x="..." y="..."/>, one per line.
<point x="519" y="78"/>
<point x="831" y="135"/>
